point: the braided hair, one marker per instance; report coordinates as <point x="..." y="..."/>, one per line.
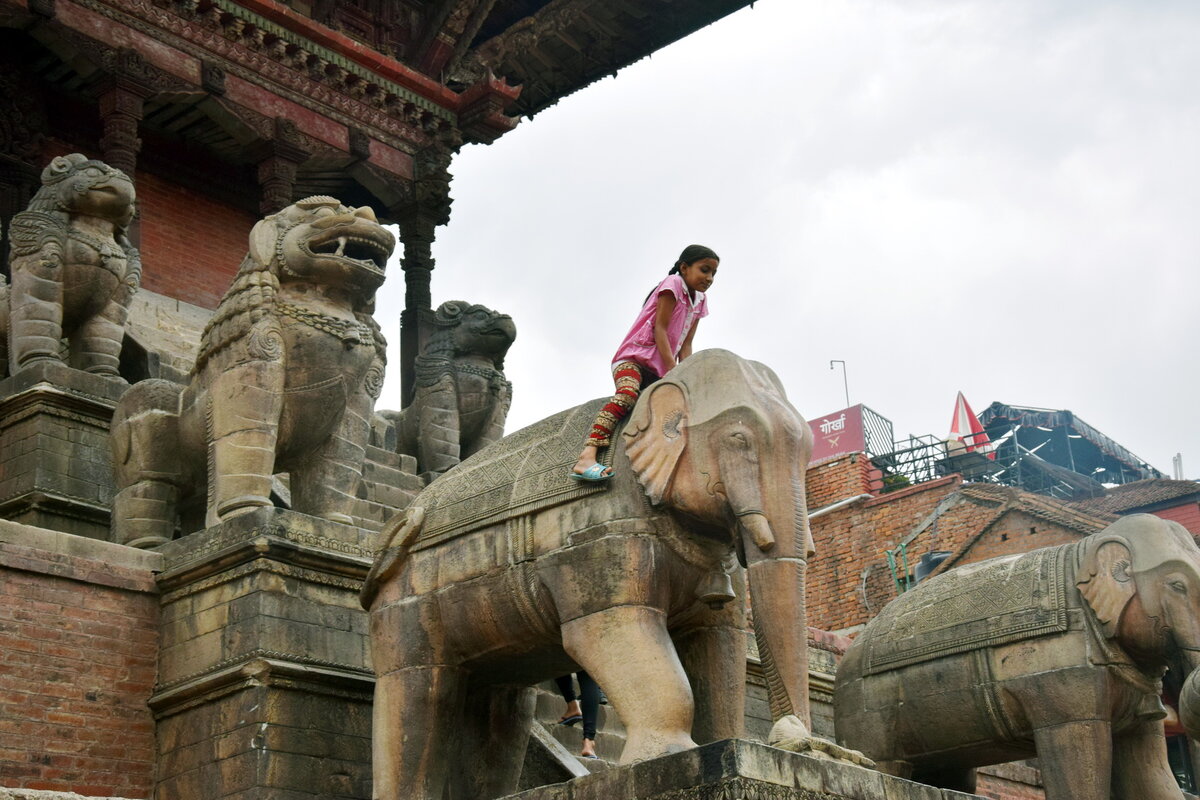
<point x="690" y="255"/>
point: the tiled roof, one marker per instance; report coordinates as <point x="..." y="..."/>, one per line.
<point x="1138" y="494"/>
<point x="1084" y="520"/>
<point x="999" y="500"/>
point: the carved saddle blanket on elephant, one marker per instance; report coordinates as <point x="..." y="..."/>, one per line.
<point x="530" y="473"/>
<point x="1029" y="601"/>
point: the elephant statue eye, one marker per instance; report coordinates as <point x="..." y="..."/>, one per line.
<point x="739" y="439"/>
<point x="1178" y="586"/>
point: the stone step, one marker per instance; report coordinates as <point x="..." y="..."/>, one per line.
<point x="610" y="733"/>
<point x="386" y="475"/>
<point x="384" y="457"/>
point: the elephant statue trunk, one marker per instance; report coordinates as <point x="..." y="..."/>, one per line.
<point x="775" y="543"/>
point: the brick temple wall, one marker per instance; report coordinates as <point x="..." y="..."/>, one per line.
<point x="78" y="645"/>
<point x="191" y="245"/>
<point x="844" y="580"/>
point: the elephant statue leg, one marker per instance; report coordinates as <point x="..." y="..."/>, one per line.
<point x="713" y="655"/>
<point x="97" y="345"/>
<point x="1140" y="768"/>
<point x="1076" y="759"/>
<point x="244" y="405"/>
<point x="36" y="308"/>
<point x="493" y="739"/>
<point x="418" y="710"/>
<point x="325" y="485"/>
<point x="628" y="651"/>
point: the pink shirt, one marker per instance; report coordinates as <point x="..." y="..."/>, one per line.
<point x="638" y="345"/>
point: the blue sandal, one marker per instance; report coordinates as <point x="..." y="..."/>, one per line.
<point x="593" y="474"/>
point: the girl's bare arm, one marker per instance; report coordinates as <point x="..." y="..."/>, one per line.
<point x="686" y="350"/>
<point x="662" y="319"/>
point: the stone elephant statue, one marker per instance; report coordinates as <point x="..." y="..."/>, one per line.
<point x="462" y="397"/>
<point x="286" y="379"/>
<point x="1057" y="653"/>
<point x="504" y="572"/>
<point x="74" y="271"/>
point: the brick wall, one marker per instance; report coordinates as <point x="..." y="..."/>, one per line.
<point x="1187" y="515"/>
<point x="78" y="646"/>
<point x="191" y="245"/>
<point x="1009" y="782"/>
<point x="848" y="580"/>
<point x="836" y="479"/>
<point x="1017" y="532"/>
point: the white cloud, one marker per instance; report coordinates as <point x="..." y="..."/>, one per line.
<point x="998" y="198"/>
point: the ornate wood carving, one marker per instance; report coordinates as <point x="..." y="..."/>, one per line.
<point x="212" y="78"/>
<point x="280" y="158"/>
<point x="287" y="65"/>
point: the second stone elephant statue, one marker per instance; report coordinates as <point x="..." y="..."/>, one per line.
<point x="504" y="572"/>
<point x="1059" y="652"/>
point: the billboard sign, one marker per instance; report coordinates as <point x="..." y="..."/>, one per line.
<point x="838" y="433"/>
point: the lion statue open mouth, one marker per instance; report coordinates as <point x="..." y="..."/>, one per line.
<point x="289" y="369"/>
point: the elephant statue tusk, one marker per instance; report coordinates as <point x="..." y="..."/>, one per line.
<point x="756" y="524"/>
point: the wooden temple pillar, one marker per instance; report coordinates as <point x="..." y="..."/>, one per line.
<point x="278" y="162"/>
<point x="425" y="207"/>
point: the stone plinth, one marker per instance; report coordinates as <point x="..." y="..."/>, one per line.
<point x="736" y="769"/>
<point x="264" y="678"/>
<point x="55" y="462"/>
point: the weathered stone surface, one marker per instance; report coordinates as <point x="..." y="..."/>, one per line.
<point x="286" y="379"/>
<point x="169" y="327"/>
<point x="55" y="467"/>
<point x="505" y="572"/>
<point x="738" y="769"/>
<point x="264" y="689"/>
<point x="74" y="271"/>
<point x="462" y="397"/>
<point x="1057" y="653"/>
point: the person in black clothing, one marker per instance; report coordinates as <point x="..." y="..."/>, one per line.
<point x="587" y="711"/>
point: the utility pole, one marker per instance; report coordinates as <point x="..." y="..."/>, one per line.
<point x="845" y="384"/>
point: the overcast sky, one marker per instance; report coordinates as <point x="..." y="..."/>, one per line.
<point x="994" y="197"/>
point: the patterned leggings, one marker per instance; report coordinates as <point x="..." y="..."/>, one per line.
<point x="628" y="376"/>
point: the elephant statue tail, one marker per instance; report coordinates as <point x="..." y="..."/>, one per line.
<point x="396" y="539"/>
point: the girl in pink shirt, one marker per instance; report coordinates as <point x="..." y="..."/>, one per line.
<point x="661" y="337"/>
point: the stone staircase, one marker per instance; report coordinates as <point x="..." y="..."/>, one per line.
<point x="389" y="483"/>
<point x="552" y="755"/>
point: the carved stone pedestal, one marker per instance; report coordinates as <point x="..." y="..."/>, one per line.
<point x="55" y="463"/>
<point x="737" y="769"/>
<point x="264" y="680"/>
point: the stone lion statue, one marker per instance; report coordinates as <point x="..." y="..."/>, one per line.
<point x="286" y="379"/>
<point x="461" y="398"/>
<point x="74" y="271"/>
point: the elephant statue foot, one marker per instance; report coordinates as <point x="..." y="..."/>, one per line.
<point x="790" y="733"/>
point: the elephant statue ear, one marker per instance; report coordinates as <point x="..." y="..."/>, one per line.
<point x="1106" y="583"/>
<point x="656" y="435"/>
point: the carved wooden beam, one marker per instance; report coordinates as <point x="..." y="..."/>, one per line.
<point x="448" y="34"/>
<point x="278" y="160"/>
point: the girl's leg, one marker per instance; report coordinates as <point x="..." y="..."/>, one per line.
<point x="628" y="377"/>
<point x="566" y="687"/>
<point x="590" y="693"/>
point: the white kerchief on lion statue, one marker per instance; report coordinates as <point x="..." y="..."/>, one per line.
<point x="286" y="380"/>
